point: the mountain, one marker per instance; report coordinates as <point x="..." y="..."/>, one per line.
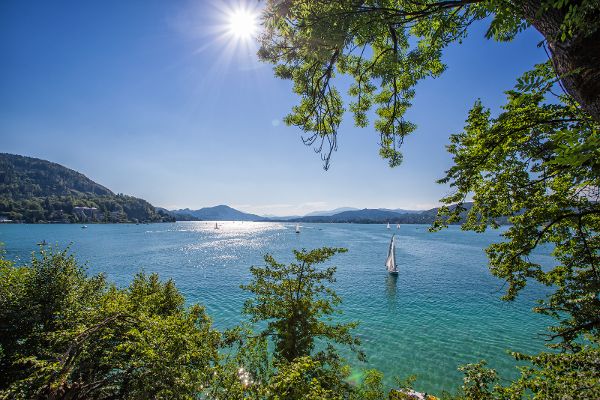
<point x="35" y="190"/>
<point x="26" y="177"/>
<point x="343" y="209"/>
<point x="330" y="212"/>
<point x="403" y="211"/>
<point x="366" y="215"/>
<point x="217" y="213"/>
<point x="380" y="216"/>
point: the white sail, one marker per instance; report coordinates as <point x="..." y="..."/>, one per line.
<point x="390" y="263"/>
<point x="388" y="226"/>
<point x="397" y="226"/>
<point x="297" y="228"/>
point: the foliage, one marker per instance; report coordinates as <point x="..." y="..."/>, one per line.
<point x="387" y="47"/>
<point x="303" y="378"/>
<point x="34" y="190"/>
<point x="371" y="388"/>
<point x="27" y="177"/>
<point x="115" y="208"/>
<point x="297" y="306"/>
<point x="293" y="299"/>
<point x="66" y="335"/>
<point x="537" y="163"/>
<point x="558" y="376"/>
<point x="565" y="376"/>
<point x="477" y="381"/>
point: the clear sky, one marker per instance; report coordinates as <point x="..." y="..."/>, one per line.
<point x="151" y="98"/>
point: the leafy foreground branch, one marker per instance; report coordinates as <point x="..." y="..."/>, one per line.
<point x="386" y="47"/>
<point x="65" y="335"/>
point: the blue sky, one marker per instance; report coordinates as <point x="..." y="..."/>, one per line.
<point x="149" y="99"/>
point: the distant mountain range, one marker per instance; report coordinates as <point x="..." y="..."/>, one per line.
<point x="350" y="215"/>
<point x="370" y="216"/>
<point x="35" y="190"/>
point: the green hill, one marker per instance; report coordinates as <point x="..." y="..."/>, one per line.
<point x="34" y="190"/>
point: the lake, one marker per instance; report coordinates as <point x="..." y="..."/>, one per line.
<point x="443" y="310"/>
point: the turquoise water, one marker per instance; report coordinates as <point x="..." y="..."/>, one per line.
<point x="442" y="311"/>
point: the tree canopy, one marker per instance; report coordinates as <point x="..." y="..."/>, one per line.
<point x="388" y="46"/>
<point x="293" y="299"/>
<point x="69" y="336"/>
<point x="296" y="303"/>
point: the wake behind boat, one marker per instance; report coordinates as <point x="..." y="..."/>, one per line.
<point x="390" y="263"/>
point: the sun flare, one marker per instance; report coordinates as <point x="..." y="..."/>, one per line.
<point x="243" y="24"/>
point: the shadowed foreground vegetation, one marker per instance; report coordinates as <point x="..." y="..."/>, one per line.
<point x="67" y="335"/>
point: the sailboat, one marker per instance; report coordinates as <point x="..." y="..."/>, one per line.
<point x="390" y="263"/>
<point x="397" y="226"/>
<point x="297" y="228"/>
<point x="388" y="225"/>
<point x="216" y="225"/>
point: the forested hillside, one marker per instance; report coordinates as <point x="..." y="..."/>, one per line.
<point x="34" y="190"/>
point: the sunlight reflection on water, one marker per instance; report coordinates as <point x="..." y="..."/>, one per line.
<point x="229" y="227"/>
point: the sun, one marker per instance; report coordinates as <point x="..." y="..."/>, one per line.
<point x="242" y="23"/>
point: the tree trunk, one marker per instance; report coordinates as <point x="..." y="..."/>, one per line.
<point x="576" y="60"/>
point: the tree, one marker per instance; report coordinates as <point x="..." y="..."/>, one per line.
<point x="296" y="304"/>
<point x="69" y="336"/>
<point x="538" y="164"/>
<point x="547" y="376"/>
<point x="388" y="46"/>
<point x="293" y="299"/>
<point x="303" y="378"/>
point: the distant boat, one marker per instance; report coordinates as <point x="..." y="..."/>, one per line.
<point x="42" y="243"/>
<point x="216" y="225"/>
<point x="83" y="226"/>
<point x="397" y="226"/>
<point x="390" y="263"/>
<point x="388" y="225"/>
<point x="297" y="228"/>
